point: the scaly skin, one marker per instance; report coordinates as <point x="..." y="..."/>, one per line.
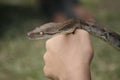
<point x="50" y="29"/>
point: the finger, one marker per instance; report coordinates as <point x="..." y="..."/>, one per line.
<point x="84" y="39"/>
<point x="47" y="67"/>
<point x="82" y="35"/>
<point x="55" y="42"/>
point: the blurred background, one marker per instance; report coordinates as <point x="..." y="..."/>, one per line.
<point x="22" y="59"/>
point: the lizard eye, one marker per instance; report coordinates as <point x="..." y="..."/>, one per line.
<point x="41" y="33"/>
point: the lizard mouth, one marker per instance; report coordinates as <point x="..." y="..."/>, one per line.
<point x="40" y="35"/>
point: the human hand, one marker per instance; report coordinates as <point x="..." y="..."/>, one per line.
<point x="68" y="57"/>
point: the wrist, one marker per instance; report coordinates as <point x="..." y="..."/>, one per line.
<point x="81" y="72"/>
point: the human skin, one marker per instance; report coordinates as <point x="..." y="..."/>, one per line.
<point x="68" y="57"/>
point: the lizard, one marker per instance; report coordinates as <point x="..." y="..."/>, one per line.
<point x="50" y="29"/>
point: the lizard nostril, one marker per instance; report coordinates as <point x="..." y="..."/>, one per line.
<point x="28" y="34"/>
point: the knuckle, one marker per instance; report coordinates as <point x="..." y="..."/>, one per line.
<point x="80" y="31"/>
<point x="49" y="41"/>
<point x="84" y="32"/>
<point x="45" y="57"/>
<point x="48" y="44"/>
<point x="46" y="71"/>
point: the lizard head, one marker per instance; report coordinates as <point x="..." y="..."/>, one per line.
<point x="50" y="29"/>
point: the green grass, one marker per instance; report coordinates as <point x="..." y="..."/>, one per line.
<point x="21" y="59"/>
<point x="105" y="64"/>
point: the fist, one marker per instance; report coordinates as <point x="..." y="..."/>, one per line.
<point x="66" y="54"/>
